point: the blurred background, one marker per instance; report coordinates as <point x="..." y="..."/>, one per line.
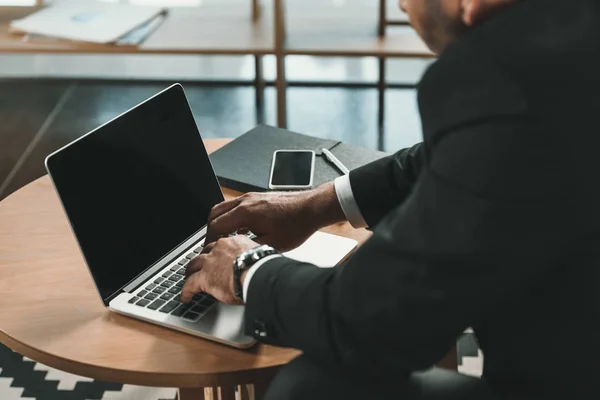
<point x="50" y="97"/>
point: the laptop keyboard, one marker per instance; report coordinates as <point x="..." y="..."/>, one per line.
<point x="163" y="294"/>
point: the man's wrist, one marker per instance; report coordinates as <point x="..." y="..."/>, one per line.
<point x="323" y="207"/>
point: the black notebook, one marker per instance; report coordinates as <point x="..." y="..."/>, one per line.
<point x="245" y="164"/>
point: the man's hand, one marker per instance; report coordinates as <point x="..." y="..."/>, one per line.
<point x="281" y="220"/>
<point x="212" y="271"/>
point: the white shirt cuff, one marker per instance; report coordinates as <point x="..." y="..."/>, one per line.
<point x="252" y="271"/>
<point x="345" y="196"/>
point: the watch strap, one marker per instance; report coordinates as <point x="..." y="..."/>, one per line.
<point x="246" y="260"/>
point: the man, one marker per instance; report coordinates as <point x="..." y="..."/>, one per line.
<point x="491" y="223"/>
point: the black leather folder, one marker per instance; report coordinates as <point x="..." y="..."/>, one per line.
<point x="245" y="164"/>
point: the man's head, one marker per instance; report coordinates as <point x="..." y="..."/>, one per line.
<point x="439" y="22"/>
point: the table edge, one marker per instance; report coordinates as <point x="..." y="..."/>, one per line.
<point x="153" y="379"/>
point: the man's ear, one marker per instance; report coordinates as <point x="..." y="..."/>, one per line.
<point x="471" y="11"/>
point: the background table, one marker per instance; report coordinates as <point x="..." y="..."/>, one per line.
<point x="281" y="30"/>
<point x="51" y="312"/>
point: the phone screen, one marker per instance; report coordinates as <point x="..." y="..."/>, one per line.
<point x="292" y="168"/>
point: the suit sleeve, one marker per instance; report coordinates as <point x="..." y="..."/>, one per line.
<point x="476" y="231"/>
<point x="383" y="184"/>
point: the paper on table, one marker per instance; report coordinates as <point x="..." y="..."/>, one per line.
<point x="93" y="22"/>
<point x="323" y="250"/>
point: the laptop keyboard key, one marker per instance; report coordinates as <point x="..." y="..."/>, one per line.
<point x="174" y="278"/>
<point x="209" y="302"/>
<point x="150" y="286"/>
<point x="198" y="297"/>
<point x="133" y="300"/>
<point x="198" y="249"/>
<point x="191" y="255"/>
<point x="142" y="293"/>
<point x="167" y="284"/>
<point x="179" y="311"/>
<point x="187" y="306"/>
<point x="180" y="284"/>
<point x="192" y="316"/>
<point x="169" y="307"/>
<point x="166" y="274"/>
<point x="158" y="281"/>
<point x="199" y="308"/>
<point x="167" y="296"/>
<point x="156" y="304"/>
<point x="151" y="296"/>
<point x="159" y="289"/>
<point x="174" y="268"/>
<point x="183" y="262"/>
<point x="181" y="271"/>
<point x="175" y="290"/>
<point x="142" y="303"/>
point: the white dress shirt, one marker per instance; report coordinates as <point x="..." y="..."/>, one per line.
<point x="345" y="196"/>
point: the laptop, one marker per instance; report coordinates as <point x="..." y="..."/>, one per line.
<point x="137" y="192"/>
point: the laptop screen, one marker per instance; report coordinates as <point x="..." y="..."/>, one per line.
<point x="136" y="188"/>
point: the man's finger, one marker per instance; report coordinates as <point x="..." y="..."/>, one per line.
<point x="192" y="286"/>
<point x="195" y="265"/>
<point x="223" y="207"/>
<point x="207" y="248"/>
<point x="225" y="224"/>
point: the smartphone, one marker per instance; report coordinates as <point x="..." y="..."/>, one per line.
<point x="292" y="169"/>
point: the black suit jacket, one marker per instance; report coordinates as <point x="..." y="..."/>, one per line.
<point x="492" y="222"/>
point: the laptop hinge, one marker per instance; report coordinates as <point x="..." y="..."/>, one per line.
<point x="144" y="276"/>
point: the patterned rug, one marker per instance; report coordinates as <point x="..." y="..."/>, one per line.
<point x="25" y="379"/>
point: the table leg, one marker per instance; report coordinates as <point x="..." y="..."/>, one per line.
<point x="382" y="18"/>
<point x="381" y="86"/>
<point x="259" y="390"/>
<point x="196" y="394"/>
<point x="246" y="392"/>
<point x="259" y="87"/>
<point x="253" y="392"/>
<point x="255" y="10"/>
<point x="227" y="393"/>
<point x="281" y="82"/>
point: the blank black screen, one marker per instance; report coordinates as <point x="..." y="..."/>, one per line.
<point x="136" y="188"/>
<point x="292" y="168"/>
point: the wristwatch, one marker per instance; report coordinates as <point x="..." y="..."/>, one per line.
<point x="243" y="262"/>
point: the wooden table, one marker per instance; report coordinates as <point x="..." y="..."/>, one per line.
<point x="51" y="312"/>
<point x="209" y="29"/>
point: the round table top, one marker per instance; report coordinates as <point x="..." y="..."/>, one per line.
<point x="51" y="312"/>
